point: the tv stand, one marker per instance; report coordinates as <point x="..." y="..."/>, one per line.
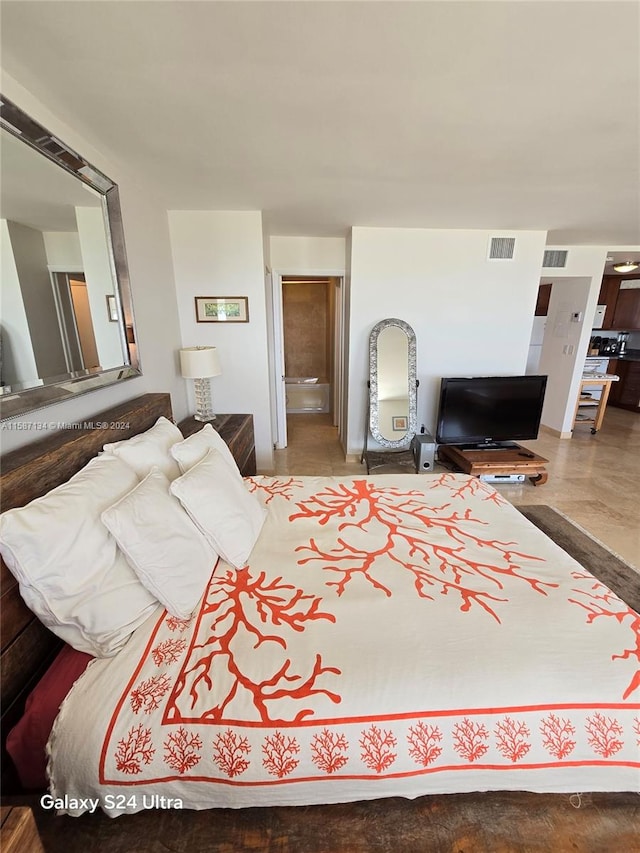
<point x="496" y="460"/>
<point x="490" y="445"/>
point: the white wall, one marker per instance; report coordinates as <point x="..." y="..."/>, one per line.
<point x="562" y="356"/>
<point x="471" y="316"/>
<point x="96" y="263"/>
<point x="575" y="289"/>
<point x="220" y="253"/>
<point x="63" y="250"/>
<point x="18" y="358"/>
<point x="307" y="254"/>
<point x="31" y="264"/>
<point x="147" y="242"/>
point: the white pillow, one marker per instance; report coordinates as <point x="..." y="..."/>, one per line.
<point x="192" y="450"/>
<point x="149" y="448"/>
<point x="70" y="571"/>
<point x="218" y="502"/>
<point x="163" y="546"/>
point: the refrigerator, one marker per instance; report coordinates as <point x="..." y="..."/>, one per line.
<point x="535" y="344"/>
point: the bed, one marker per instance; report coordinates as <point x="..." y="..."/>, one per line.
<point x="399" y="635"/>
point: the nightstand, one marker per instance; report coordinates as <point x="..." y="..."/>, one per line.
<point x="236" y="431"/>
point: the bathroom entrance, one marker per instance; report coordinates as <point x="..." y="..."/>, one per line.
<point x="310" y="324"/>
<point x="308" y="308"/>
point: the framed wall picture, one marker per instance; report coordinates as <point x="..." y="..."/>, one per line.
<point x="399" y="424"/>
<point x="112" y="309"/>
<point x="222" y="309"/>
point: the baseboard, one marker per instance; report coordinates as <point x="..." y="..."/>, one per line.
<point x="555" y="432"/>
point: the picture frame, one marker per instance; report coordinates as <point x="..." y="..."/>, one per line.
<point x="222" y="309"/>
<point x="112" y="309"/>
<point x="400" y="423"/>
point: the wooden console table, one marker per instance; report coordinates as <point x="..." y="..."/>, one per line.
<point x="236" y="431"/>
<point x="516" y="460"/>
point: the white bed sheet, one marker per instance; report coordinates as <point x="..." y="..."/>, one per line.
<point x="394" y="636"/>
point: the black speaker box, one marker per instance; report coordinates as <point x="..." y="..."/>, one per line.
<point x="424" y="452"/>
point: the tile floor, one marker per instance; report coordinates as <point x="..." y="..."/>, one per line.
<point x="593" y="479"/>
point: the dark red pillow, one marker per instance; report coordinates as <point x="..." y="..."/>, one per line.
<point x="27" y="740"/>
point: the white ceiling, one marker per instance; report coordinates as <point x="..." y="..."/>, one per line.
<point x="38" y="193"/>
<point x="324" y="115"/>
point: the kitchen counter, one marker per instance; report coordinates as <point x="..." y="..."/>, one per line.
<point x="630" y="355"/>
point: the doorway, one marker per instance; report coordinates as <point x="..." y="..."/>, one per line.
<point x="308" y="327"/>
<point x="74" y="319"/>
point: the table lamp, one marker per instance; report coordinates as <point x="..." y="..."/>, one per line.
<point x="200" y="364"/>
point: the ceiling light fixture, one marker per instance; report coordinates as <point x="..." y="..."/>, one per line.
<point x="627" y="266"/>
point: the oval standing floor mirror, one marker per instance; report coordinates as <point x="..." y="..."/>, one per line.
<point x="392" y="403"/>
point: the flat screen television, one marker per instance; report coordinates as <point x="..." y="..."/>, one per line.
<point x="489" y="411"/>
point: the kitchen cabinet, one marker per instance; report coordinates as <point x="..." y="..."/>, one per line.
<point x="607" y="296"/>
<point x="542" y="304"/>
<point x="627" y="310"/>
<point x="626" y="392"/>
<point x="626" y="315"/>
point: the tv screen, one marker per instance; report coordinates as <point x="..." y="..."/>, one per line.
<point x="488" y="410"/>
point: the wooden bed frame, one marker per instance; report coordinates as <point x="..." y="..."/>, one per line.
<point x="26" y="646"/>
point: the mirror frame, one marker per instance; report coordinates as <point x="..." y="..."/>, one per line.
<point x="374" y="424"/>
<point x="59" y="389"/>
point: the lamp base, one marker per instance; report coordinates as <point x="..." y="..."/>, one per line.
<point x="204" y="412"/>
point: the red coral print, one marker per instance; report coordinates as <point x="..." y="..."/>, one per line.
<point x="274" y="488"/>
<point x="147" y="695"/>
<point x="601" y="602"/>
<point x="400" y="528"/>
<point x="181" y="750"/>
<point x="175" y="624"/>
<point x="511" y="739"/>
<point x="423" y="743"/>
<point x="376" y="746"/>
<point x="229" y="751"/>
<point x="168" y="652"/>
<point x="556" y="736"/>
<point x="237" y="601"/>
<point x="278" y="753"/>
<point x="469" y="739"/>
<point x="134" y="750"/>
<point x="327" y="751"/>
<point x="472" y="486"/>
<point x="604" y="735"/>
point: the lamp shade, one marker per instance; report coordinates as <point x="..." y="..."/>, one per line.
<point x="199" y="362"/>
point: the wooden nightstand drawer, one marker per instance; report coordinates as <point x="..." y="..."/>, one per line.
<point x="19" y="833"/>
<point x="236" y="431"/>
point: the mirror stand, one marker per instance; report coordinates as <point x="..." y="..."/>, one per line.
<point x="374" y="459"/>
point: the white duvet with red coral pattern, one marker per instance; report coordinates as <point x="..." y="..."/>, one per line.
<point x="392" y="636"/>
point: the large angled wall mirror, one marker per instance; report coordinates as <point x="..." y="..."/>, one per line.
<point x="392" y="407"/>
<point x="67" y="320"/>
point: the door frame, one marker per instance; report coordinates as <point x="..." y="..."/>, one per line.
<point x="277" y="374"/>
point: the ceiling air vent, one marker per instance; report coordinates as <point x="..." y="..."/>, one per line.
<point x="502" y="248"/>
<point x="556" y="258"/>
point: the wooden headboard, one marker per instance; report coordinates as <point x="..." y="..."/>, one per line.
<point x="26" y="646"/>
